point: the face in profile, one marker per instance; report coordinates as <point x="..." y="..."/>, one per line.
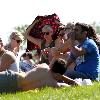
<point x="78" y="32"/>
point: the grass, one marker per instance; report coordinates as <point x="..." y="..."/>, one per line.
<point x="64" y="93"/>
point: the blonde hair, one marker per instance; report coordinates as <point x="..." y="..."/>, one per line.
<point x="47" y="27"/>
<point x="16" y="34"/>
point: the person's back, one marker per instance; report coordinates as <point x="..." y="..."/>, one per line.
<point x="42" y="75"/>
<point x="39" y="77"/>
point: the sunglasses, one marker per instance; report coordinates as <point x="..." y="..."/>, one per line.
<point x="45" y="33"/>
<point x="18" y="41"/>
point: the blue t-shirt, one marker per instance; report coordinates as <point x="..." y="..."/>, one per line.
<point x="90" y="62"/>
<point x="25" y="66"/>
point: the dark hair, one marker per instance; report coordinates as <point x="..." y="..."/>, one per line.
<point x="59" y="30"/>
<point x="24" y="55"/>
<point x="59" y="66"/>
<point x="92" y="34"/>
<point x="29" y="54"/>
<point x="83" y="26"/>
<point x="0" y="40"/>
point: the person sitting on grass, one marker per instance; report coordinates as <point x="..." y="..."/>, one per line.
<point x="39" y="77"/>
<point x="85" y="55"/>
<point x="26" y="63"/>
<point x="7" y="59"/>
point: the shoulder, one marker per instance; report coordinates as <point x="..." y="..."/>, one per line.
<point x="89" y="42"/>
<point x="9" y="54"/>
<point x="43" y="66"/>
<point x="90" y="45"/>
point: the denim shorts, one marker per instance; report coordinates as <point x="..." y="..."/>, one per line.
<point x="8" y="81"/>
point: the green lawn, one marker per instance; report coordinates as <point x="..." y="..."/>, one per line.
<point x="65" y="93"/>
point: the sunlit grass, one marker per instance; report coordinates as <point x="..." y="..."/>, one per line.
<point x="65" y="93"/>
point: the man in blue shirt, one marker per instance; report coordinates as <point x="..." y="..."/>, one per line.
<point x="85" y="55"/>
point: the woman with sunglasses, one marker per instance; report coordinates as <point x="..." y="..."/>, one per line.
<point x="44" y="44"/>
<point x="15" y="43"/>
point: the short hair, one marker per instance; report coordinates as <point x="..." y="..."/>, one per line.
<point x="47" y="27"/>
<point x="83" y="26"/>
<point x="59" y="66"/>
<point x="29" y="54"/>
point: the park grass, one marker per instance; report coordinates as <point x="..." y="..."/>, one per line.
<point x="64" y="93"/>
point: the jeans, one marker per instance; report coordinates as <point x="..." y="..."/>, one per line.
<point x="74" y="74"/>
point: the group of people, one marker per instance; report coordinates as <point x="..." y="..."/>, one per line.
<point x="73" y="54"/>
<point x="77" y="43"/>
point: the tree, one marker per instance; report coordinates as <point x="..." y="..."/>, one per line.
<point x="97" y="27"/>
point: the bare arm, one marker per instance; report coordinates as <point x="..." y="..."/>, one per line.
<point x="66" y="79"/>
<point x="76" y="50"/>
<point x="6" y="61"/>
<point x="64" y="47"/>
<point x="30" y="38"/>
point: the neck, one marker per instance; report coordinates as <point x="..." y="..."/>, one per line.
<point x="48" y="41"/>
<point x="81" y="40"/>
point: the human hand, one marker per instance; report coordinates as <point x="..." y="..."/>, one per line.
<point x="35" y="21"/>
<point x="58" y="22"/>
<point x="55" y="52"/>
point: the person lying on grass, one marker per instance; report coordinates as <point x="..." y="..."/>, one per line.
<point x="38" y="77"/>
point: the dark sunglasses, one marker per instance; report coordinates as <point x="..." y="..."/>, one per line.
<point x="18" y="41"/>
<point x="45" y="33"/>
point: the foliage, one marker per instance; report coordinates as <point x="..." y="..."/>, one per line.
<point x="97" y="27"/>
<point x="21" y="28"/>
